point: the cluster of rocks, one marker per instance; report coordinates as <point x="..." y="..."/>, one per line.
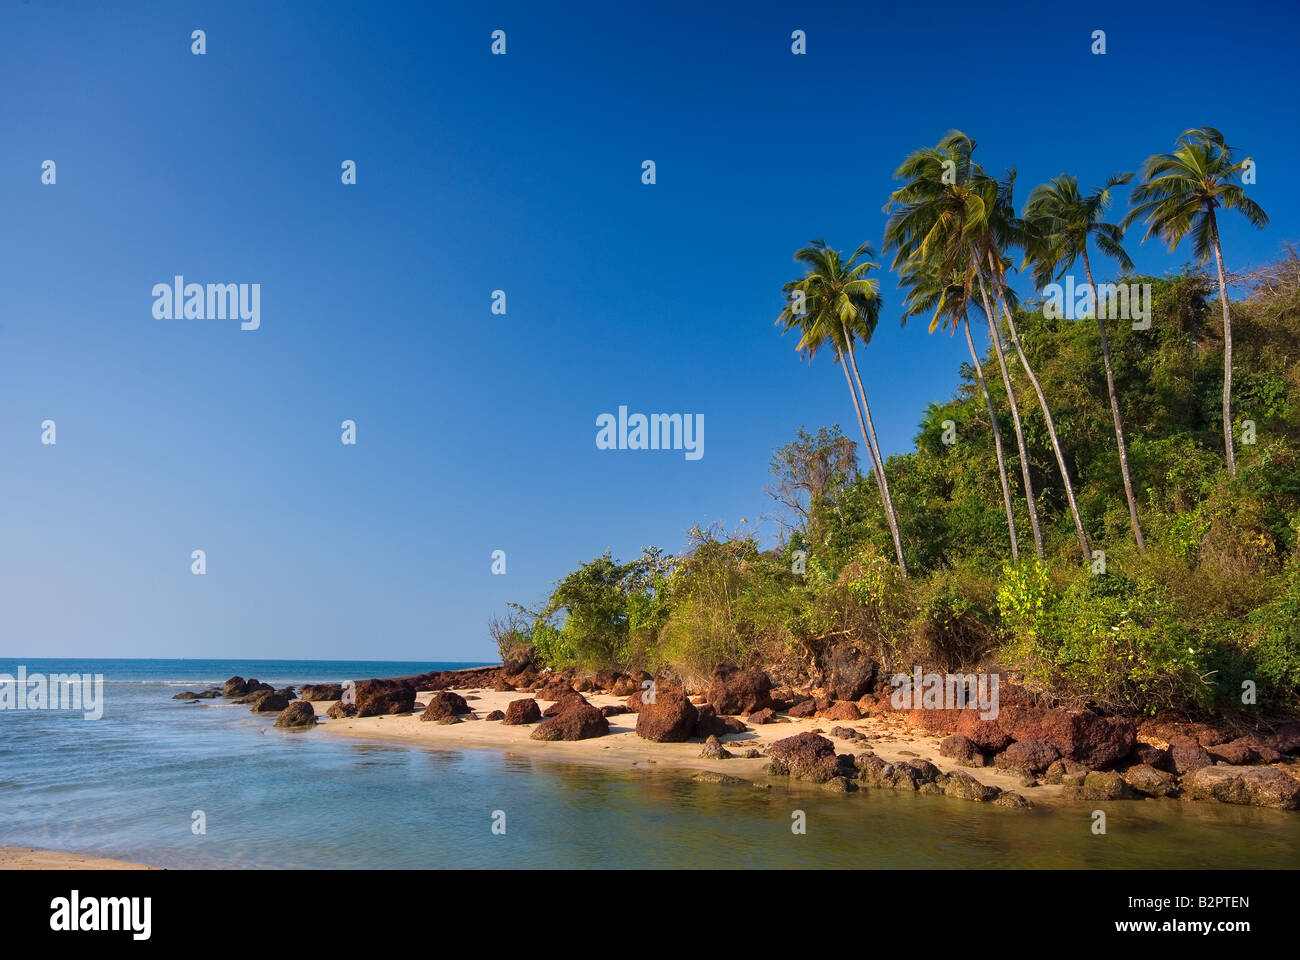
<point x="812" y="757"/>
<point x="292" y="713"/>
<point x="1102" y="758"/>
<point x="1093" y="757"/>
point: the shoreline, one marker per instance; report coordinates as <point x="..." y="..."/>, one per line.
<point x="889" y="738"/>
<point x="34" y="858"/>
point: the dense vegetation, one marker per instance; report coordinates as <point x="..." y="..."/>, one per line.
<point x="1132" y="548"/>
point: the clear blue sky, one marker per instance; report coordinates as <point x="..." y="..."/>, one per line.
<point x="478" y="172"/>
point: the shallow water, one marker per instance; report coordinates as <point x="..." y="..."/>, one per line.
<point x="128" y="785"/>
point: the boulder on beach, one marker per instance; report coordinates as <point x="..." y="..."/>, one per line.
<point x="298" y="715"/>
<point x="496" y="715"/>
<point x="522" y="711"/>
<point x="234" y="687"/>
<point x="1187" y="756"/>
<point x="270" y="703"/>
<point x="805" y="756"/>
<point x="963" y="786"/>
<point x="963" y="750"/>
<point x="581" y="721"/>
<point x="444" y="703"/>
<point x="1100" y="785"/>
<point x="804" y="708"/>
<point x="1237" y="753"/>
<point x="1251" y="786"/>
<point x="841" y="710"/>
<point x="669" y="719"/>
<point x="322" y="691"/>
<point x="613" y="710"/>
<point x="735" y="691"/>
<point x="714" y="750"/>
<point x="1027" y="756"/>
<point x="571" y="699"/>
<point x="338" y="710"/>
<point x="1148" y="780"/>
<point x="556" y="689"/>
<point x="377" y="698"/>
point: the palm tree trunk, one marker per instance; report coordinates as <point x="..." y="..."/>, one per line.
<point x="1015" y="422"/>
<point x="1114" y="405"/>
<point x="876" y="472"/>
<point x="1227" y="347"/>
<point x="1051" y="426"/>
<point x="890" y="516"/>
<point x="997" y="439"/>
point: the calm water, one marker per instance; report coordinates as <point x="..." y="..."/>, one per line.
<point x="127" y="785"/>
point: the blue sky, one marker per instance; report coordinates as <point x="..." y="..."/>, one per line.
<point x="477" y="172"/>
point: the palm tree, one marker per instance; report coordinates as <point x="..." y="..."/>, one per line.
<point x="1060" y="220"/>
<point x="841" y="304"/>
<point x="1002" y="229"/>
<point x="937" y="216"/>
<point x="949" y="297"/>
<point x="1178" y="195"/>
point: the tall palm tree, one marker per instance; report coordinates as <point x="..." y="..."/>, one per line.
<point x="1002" y="229"/>
<point x="948" y="296"/>
<point x="1060" y="220"/>
<point x="1178" y="195"/>
<point x="841" y="304"/>
<point x="938" y="215"/>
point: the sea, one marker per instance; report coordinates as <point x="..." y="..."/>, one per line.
<point x="208" y="784"/>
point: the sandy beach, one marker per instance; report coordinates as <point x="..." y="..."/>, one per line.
<point x="889" y="738"/>
<point x="29" y="858"/>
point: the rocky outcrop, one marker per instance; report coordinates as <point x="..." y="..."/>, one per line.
<point x="1098" y="742"/>
<point x="1252" y="786"/>
<point x="581" y="721"/>
<point x="496" y="715"/>
<point x="322" y="691"/>
<point x="850" y="673"/>
<point x="298" y="715"/>
<point x="735" y="691"/>
<point x="670" y="719"/>
<point x="522" y="711"/>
